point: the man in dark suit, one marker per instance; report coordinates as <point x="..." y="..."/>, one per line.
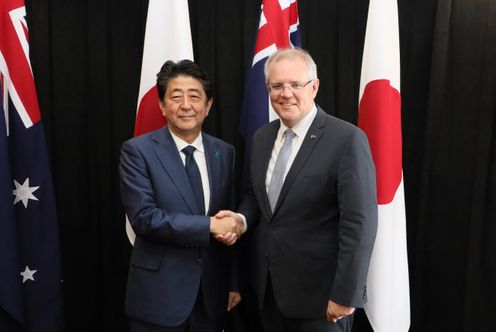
<point x="311" y="206"/>
<point x="172" y="180"/>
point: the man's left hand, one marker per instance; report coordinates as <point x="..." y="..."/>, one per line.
<point x="337" y="311"/>
<point x="234" y="299"/>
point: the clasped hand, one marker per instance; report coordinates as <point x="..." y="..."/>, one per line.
<point x="336" y="311"/>
<point x="227" y="227"/>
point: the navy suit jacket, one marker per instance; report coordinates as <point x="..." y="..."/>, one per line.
<point x="174" y="250"/>
<point x="319" y="239"/>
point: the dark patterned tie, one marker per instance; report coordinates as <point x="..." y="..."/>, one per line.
<point x="277" y="179"/>
<point x="194" y="177"/>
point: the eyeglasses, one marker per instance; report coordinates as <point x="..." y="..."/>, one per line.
<point x="293" y="86"/>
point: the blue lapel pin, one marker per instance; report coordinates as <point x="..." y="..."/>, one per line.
<point x="217" y="155"/>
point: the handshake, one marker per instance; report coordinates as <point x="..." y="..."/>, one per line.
<point x="227" y="227"/>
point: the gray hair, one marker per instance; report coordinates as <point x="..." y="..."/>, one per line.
<point x="292" y="53"/>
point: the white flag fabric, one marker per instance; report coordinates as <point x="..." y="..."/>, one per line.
<point x="167" y="37"/>
<point x="388" y="306"/>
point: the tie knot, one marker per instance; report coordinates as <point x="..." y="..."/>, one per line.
<point x="289" y="134"/>
<point x="189" y="150"/>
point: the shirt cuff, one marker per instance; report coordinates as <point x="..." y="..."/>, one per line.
<point x="244" y="222"/>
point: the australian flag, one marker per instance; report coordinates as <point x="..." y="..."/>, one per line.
<point x="278" y="28"/>
<point x="30" y="274"/>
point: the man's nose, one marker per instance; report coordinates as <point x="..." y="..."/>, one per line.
<point x="286" y="91"/>
<point x="186" y="103"/>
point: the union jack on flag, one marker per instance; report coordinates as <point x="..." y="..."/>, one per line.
<point x="30" y="287"/>
<point x="278" y="28"/>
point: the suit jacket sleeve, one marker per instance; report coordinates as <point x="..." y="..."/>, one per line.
<point x="148" y="220"/>
<point x="249" y="205"/>
<point x="357" y="201"/>
<point x="249" y="208"/>
<point x="234" y="250"/>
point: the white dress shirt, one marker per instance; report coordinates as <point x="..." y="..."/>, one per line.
<point x="300" y="130"/>
<point x="199" y="156"/>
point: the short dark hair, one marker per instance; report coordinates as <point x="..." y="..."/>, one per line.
<point x="171" y="70"/>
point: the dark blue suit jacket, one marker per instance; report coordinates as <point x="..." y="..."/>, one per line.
<point x="174" y="250"/>
<point x="319" y="239"/>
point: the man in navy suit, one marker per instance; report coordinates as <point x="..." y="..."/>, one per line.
<point x="311" y="206"/>
<point x="172" y="180"/>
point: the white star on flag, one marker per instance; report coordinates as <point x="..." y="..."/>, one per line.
<point x="24" y="192"/>
<point x="27" y="274"/>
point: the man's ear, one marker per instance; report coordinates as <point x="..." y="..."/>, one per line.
<point x="209" y="105"/>
<point x="161" y="104"/>
<point x="315" y="87"/>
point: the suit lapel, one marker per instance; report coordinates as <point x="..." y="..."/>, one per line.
<point x="213" y="158"/>
<point x="261" y="163"/>
<point x="309" y="142"/>
<point x="166" y="151"/>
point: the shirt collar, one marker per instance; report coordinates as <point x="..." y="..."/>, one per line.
<point x="181" y="144"/>
<point x="301" y="128"/>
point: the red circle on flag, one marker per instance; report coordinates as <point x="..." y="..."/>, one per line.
<point x="380" y="118"/>
<point x="149" y="115"/>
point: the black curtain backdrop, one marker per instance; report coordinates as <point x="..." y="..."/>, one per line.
<point x="86" y="58"/>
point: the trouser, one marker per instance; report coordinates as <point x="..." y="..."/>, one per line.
<point x="198" y="321"/>
<point x="275" y="321"/>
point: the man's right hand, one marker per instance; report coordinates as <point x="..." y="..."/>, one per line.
<point x="226" y="229"/>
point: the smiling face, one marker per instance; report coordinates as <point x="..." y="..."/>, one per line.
<point x="185" y="106"/>
<point x="290" y="104"/>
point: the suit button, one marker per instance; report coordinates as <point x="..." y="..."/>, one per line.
<point x="266" y="255"/>
<point x="198" y="261"/>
